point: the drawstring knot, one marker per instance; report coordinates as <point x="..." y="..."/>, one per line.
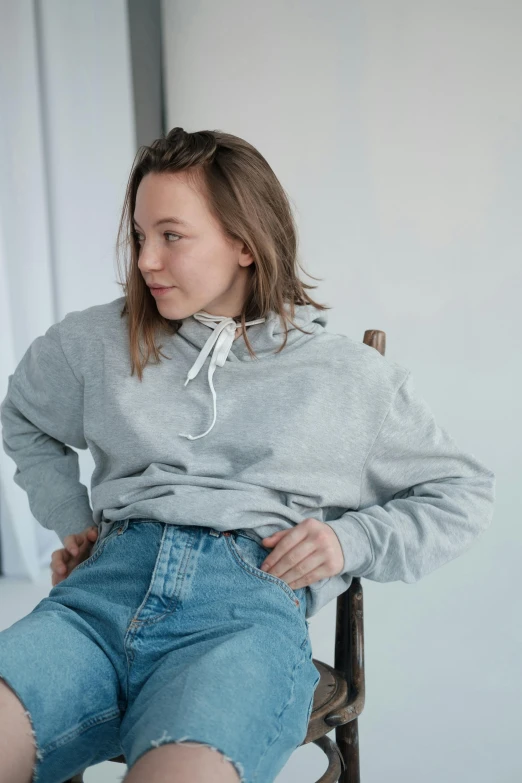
<point x="223" y="332"/>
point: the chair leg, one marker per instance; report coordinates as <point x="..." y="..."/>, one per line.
<point x="347" y="739"/>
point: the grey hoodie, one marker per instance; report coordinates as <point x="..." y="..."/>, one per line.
<point x="327" y="428"/>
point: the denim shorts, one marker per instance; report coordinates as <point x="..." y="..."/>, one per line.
<point x="166" y="633"/>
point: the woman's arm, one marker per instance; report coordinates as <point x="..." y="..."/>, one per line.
<point x="41" y="413"/>
<point x="423" y="500"/>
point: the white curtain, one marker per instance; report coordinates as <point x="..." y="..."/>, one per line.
<point x="67" y="140"/>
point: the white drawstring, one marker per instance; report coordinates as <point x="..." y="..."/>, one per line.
<point x="222" y="337"/>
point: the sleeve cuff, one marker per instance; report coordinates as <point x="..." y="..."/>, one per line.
<point x="355" y="543"/>
<point x="71" y="516"/>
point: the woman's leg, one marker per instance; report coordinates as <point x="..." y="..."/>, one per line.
<point x="219" y="655"/>
<point x="181" y="763"/>
<point x="17" y="744"/>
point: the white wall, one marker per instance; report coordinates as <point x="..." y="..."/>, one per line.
<point x="395" y="128"/>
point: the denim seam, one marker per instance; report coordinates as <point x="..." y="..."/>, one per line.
<point x="297" y="666"/>
<point x="91" y="559"/>
<point x="133" y="625"/>
<point x="181" y="576"/>
<point x="173" y="604"/>
<point x="103" y="717"/>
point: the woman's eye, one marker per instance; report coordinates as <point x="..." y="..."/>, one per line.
<point x="137" y="236"/>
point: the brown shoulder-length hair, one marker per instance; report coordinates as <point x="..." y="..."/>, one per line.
<point x="249" y="202"/>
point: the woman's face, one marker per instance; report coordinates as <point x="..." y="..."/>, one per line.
<point x="205" y="269"/>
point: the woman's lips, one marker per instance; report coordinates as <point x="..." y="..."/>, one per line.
<point x="161" y="291"/>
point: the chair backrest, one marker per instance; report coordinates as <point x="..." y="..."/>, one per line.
<point x="349" y="645"/>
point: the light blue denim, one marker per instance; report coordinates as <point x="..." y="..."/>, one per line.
<point x="165" y="633"/>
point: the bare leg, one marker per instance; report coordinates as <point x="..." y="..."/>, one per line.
<point x="182" y="763"/>
<point x="17" y="743"/>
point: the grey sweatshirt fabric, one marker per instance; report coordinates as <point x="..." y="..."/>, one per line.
<point x="327" y="428"/>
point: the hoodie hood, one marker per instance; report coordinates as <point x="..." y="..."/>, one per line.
<point x="265" y="335"/>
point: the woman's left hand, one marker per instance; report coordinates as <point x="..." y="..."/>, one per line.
<point x="304" y="553"/>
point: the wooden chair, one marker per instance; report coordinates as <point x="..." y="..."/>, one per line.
<point x="339" y="694"/>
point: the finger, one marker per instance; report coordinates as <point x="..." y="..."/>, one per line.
<point x="274" y="537"/>
<point x="315" y="575"/>
<point x="315" y="567"/>
<point x="57" y="558"/>
<point x="281" y="548"/>
<point x="279" y="563"/>
<point x="55" y="555"/>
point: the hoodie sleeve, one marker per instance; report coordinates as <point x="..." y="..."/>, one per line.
<point x="42" y="413"/>
<point x="423" y="500"/>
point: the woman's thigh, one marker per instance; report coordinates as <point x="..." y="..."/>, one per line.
<point x="166" y="633"/>
<point x="68" y="686"/>
<point x="228" y="694"/>
<point x="65" y="662"/>
<point x="219" y="653"/>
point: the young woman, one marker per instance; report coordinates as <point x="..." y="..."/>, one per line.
<point x="240" y="482"/>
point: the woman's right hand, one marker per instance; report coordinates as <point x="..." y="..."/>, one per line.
<point x="78" y="547"/>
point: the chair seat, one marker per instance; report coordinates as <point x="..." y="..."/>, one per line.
<point x="331" y="707"/>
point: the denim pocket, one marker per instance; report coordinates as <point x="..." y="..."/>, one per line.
<point x="101" y="542"/>
<point x="250" y="555"/>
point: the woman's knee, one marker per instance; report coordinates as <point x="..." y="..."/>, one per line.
<point x="181" y="761"/>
